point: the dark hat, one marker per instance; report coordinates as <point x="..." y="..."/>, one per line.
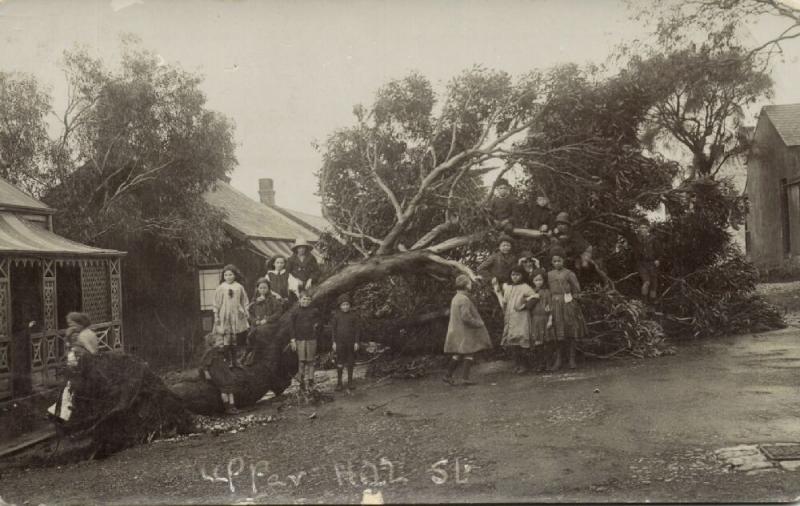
<point x="343" y="298"/>
<point x="557" y="251"/>
<point x="563" y="217"/>
<point x="506" y="238"/>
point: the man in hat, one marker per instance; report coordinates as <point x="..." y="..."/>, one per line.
<point x="302" y="265"/>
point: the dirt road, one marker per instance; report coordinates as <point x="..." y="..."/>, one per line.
<point x="613" y="431"/>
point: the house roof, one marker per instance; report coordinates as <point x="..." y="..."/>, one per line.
<point x="18" y="236"/>
<point x="786" y="120"/>
<point x="318" y="223"/>
<point x="12" y="197"/>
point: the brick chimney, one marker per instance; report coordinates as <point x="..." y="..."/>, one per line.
<point x="265" y="191"/>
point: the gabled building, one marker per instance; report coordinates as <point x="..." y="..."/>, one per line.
<point x="44" y="276"/>
<point x="258" y="231"/>
<point x="773" y="189"/>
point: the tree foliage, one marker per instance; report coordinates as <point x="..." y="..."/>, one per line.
<point x="23" y="130"/>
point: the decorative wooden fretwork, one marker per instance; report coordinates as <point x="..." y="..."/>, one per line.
<point x="105" y="335"/>
<point x="117" y="340"/>
<point x="95" y="290"/>
<point x="4" y="265"/>
<point x="5" y="366"/>
<point x="52" y="349"/>
<point x="36" y="352"/>
<point x="5" y="302"/>
<point x="116" y="289"/>
<point x="49" y="303"/>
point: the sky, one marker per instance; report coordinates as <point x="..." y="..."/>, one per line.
<point x="288" y="72"/>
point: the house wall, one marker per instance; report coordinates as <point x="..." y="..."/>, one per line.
<point x="770" y="162"/>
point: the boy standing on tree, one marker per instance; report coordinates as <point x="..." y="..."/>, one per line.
<point x="503" y="207"/>
<point x="646" y="252"/>
<point x="346" y="330"/>
<point x="497" y="266"/>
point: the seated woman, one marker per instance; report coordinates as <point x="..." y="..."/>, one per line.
<point x="81" y="341"/>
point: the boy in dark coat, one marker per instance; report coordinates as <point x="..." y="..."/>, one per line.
<point x="304" y="327"/>
<point x="503" y="207"/>
<point x="646" y="252"/>
<point x="346" y="330"/>
<point x="497" y="266"/>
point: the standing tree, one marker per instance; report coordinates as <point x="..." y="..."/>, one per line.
<point x="137" y="149"/>
<point x="23" y="130"/>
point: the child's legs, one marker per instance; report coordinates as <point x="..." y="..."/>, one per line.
<point x="311" y="355"/>
<point x="644" y="274"/>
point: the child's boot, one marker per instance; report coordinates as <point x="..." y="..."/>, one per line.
<point x="450" y="370"/>
<point x="557" y="360"/>
<point x="339" y="385"/>
<point x="467" y="367"/>
<point x="572" y="364"/>
<point x="230" y="408"/>
<point x="350" y="378"/>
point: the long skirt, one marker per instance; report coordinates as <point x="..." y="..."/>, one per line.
<point x="568" y="322"/>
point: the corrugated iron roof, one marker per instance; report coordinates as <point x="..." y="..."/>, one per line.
<point x="12" y="197"/>
<point x="786" y="120"/>
<point x="253" y="219"/>
<point x="18" y="236"/>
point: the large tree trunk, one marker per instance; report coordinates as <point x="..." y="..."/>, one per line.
<point x="274" y="365"/>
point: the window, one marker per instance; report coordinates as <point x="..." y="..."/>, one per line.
<point x="209" y="280"/>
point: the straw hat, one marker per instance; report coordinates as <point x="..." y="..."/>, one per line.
<point x="301" y="242"/>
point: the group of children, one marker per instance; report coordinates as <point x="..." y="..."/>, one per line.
<point x="239" y="323"/>
<point x="542" y="318"/>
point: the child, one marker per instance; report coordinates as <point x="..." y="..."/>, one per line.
<point x="230" y="312"/>
<point x="541" y="318"/>
<point x="214" y="369"/>
<point x="304" y="328"/>
<point x="541" y="216"/>
<point x="278" y="276"/>
<point x="568" y="323"/>
<point x="81" y="341"/>
<point x="466" y="332"/>
<point x="529" y="263"/>
<point x="497" y="266"/>
<point x="346" y="330"/>
<point x="517" y="322"/>
<point x="302" y="265"/>
<point x="503" y="207"/>
<point x="265" y="311"/>
<point x="645" y="250"/>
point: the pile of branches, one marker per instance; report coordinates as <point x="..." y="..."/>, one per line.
<point x="619" y="324"/>
<point x="119" y="402"/>
<point x="718" y="300"/>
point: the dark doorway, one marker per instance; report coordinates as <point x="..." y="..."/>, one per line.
<point x="68" y="292"/>
<point x="26" y="307"/>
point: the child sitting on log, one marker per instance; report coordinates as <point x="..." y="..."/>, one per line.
<point x="346" y="330"/>
<point x="214" y="369"/>
<point x="497" y="266"/>
<point x="503" y="207"/>
<point x="265" y="311"/>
